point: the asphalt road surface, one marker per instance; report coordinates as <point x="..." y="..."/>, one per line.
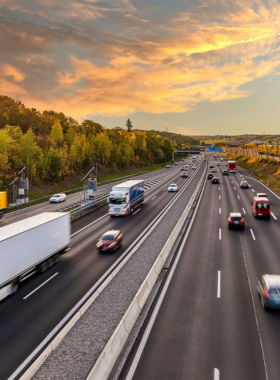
<point x="211" y="324"/>
<point x="42" y="301"/>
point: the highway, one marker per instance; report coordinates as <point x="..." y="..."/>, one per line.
<point x="211" y="324"/>
<point x="44" y="300"/>
<point x="150" y="179"/>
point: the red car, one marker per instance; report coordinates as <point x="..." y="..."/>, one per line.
<point x="175" y="163"/>
<point x="109" y="241"/>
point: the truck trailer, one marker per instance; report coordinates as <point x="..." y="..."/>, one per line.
<point x="125" y="197"/>
<point x="3" y="203"/>
<point x="31" y="245"/>
<point x="232" y="166"/>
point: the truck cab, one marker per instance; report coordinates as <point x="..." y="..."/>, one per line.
<point x="3" y="203"/>
<point x="118" y="203"/>
<point x="125" y="196"/>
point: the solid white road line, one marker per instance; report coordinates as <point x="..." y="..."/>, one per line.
<point x="136" y="211"/>
<point x="273" y="216"/>
<point x="220" y="234"/>
<point x="243" y="210"/>
<point x="252" y="234"/>
<point x="238" y="196"/>
<point x="219" y="197"/>
<point x="153" y="198"/>
<point x="220" y="210"/>
<point x="216" y="374"/>
<point x="219" y="285"/>
<point x="75" y="233"/>
<point x="253" y="190"/>
<point x="40" y="286"/>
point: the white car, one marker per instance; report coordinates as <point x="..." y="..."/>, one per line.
<point x="213" y="170"/>
<point x="56" y="198"/>
<point x="173" y="187"/>
<point x="194" y="168"/>
<point x="167" y="166"/>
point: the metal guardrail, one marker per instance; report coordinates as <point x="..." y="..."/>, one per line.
<point x="23" y="205"/>
<point x="77" y="206"/>
<point x="75" y="214"/>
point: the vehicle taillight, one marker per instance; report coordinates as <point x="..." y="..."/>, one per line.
<point x="242" y="220"/>
<point x="266" y="294"/>
<point x="230" y="221"/>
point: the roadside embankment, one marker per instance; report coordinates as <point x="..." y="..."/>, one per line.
<point x="265" y="170"/>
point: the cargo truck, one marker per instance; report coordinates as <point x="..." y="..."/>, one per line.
<point x="232" y="166"/>
<point x="31" y="245"/>
<point x="125" y="197"/>
<point x="3" y="203"/>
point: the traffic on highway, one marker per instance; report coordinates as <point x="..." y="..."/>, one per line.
<point x="217" y="313"/>
<point x="218" y="318"/>
<point x="42" y="296"/>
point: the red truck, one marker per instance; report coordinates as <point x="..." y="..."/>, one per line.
<point x="232" y="166"/>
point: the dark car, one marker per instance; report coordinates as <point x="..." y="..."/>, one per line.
<point x="184" y="175"/>
<point x="269" y="291"/>
<point x="211" y="166"/>
<point x="183" y="168"/>
<point x="109" y="241"/>
<point x="235" y="220"/>
<point x="225" y="172"/>
<point x="244" y="185"/>
<point x="215" y="180"/>
<point x="210" y="176"/>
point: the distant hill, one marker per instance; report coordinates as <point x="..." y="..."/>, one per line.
<point x="176" y="137"/>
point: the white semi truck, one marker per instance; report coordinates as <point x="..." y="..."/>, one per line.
<point x="31" y="245"/>
<point x="125" y="197"/>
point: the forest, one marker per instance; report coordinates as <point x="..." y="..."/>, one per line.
<point x="54" y="146"/>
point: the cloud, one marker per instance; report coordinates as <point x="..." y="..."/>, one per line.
<point x="92" y="57"/>
<point x="13" y="72"/>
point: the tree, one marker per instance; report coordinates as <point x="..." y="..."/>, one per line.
<point x="129" y="125"/>
<point x="90" y="127"/>
<point x="57" y="133"/>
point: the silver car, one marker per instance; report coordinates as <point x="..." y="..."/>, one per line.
<point x="269" y="291"/>
<point x="56" y="198"/>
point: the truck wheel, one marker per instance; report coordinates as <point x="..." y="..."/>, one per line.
<point x="14" y="286"/>
<point x="44" y="267"/>
<point x="50" y="262"/>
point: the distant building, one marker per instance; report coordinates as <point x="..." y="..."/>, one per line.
<point x="257" y="142"/>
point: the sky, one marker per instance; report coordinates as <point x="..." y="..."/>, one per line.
<point x="186" y="66"/>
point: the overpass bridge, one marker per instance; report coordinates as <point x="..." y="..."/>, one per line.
<point x="193" y="150"/>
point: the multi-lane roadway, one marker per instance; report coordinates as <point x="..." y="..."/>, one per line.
<point x="150" y="179"/>
<point x="44" y="300"/>
<point x="211" y="324"/>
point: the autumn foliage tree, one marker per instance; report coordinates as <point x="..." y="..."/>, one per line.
<point x="54" y="146"/>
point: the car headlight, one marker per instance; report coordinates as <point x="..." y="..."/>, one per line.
<point x="111" y="245"/>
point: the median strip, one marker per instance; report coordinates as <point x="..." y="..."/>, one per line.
<point x="103" y="319"/>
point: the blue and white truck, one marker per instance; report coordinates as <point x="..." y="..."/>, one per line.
<point x="125" y="197"/>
